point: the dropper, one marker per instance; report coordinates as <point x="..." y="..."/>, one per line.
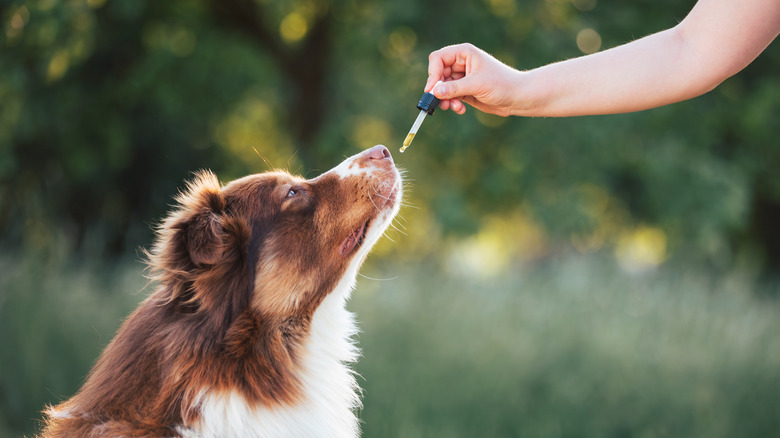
<point x="427" y="105"/>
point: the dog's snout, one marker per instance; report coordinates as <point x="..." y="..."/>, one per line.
<point x="377" y="152"/>
<point x="364" y="163"/>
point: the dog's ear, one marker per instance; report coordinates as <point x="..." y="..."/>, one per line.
<point x="193" y="234"/>
<point x="204" y="238"/>
<point x="198" y="245"/>
<point x="200" y="231"/>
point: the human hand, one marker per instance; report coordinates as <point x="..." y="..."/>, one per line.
<point x="472" y="76"/>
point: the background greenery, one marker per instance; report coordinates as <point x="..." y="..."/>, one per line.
<point x="593" y="276"/>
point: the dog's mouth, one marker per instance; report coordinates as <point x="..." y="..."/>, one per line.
<point x="355" y="239"/>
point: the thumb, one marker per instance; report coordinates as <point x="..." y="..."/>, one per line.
<point x="466" y="86"/>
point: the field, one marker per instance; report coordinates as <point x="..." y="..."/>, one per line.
<point x="573" y="347"/>
<point x="596" y="276"/>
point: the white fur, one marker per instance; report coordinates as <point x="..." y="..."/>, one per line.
<point x="59" y="413"/>
<point x="331" y="394"/>
<point x="330" y="390"/>
<point x="349" y="167"/>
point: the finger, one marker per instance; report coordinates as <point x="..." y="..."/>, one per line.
<point x="446" y="61"/>
<point x="452" y="104"/>
<point x="465" y="86"/>
<point x="457" y="106"/>
<point x="430" y="83"/>
<point x="436" y="67"/>
<point x="456" y="75"/>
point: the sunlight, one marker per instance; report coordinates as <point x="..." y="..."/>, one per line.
<point x="641" y="249"/>
<point x="399" y="44"/>
<point x="252" y="129"/>
<point x="502" y="242"/>
<point x="502" y="8"/>
<point x="588" y="41"/>
<point x="58" y="65"/>
<point x="293" y="27"/>
<point x="368" y="131"/>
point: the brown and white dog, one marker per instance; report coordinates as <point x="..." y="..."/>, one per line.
<point x="246" y="334"/>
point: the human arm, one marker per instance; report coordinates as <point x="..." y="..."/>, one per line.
<point x="717" y="39"/>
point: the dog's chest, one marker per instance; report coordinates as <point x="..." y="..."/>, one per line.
<point x="329" y="388"/>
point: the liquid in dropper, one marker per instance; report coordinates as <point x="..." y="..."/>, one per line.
<point x="427" y="105"/>
<point x="407" y="141"/>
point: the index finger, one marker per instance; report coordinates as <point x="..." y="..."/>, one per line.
<point x="444" y="62"/>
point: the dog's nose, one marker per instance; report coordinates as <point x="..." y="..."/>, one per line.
<point x="377" y="152"/>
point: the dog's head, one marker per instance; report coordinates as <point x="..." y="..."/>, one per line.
<point x="273" y="241"/>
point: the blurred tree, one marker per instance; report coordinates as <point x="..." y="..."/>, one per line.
<point x="108" y="105"/>
<point x="301" y="50"/>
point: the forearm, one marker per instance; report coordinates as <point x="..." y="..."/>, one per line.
<point x="646" y="73"/>
<point x="716" y="40"/>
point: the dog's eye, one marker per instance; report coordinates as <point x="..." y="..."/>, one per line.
<point x="292" y="193"/>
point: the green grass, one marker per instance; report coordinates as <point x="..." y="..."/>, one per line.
<point x="572" y="348"/>
<point x="55" y="318"/>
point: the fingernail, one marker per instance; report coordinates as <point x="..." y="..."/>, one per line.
<point x="440" y="90"/>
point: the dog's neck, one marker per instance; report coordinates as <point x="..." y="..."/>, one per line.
<point x="329" y="392"/>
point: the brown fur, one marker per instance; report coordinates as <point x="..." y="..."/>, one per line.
<point x="240" y="271"/>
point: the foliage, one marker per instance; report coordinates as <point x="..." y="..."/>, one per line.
<point x="109" y="105"/>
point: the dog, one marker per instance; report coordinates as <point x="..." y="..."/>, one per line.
<point x="246" y="333"/>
